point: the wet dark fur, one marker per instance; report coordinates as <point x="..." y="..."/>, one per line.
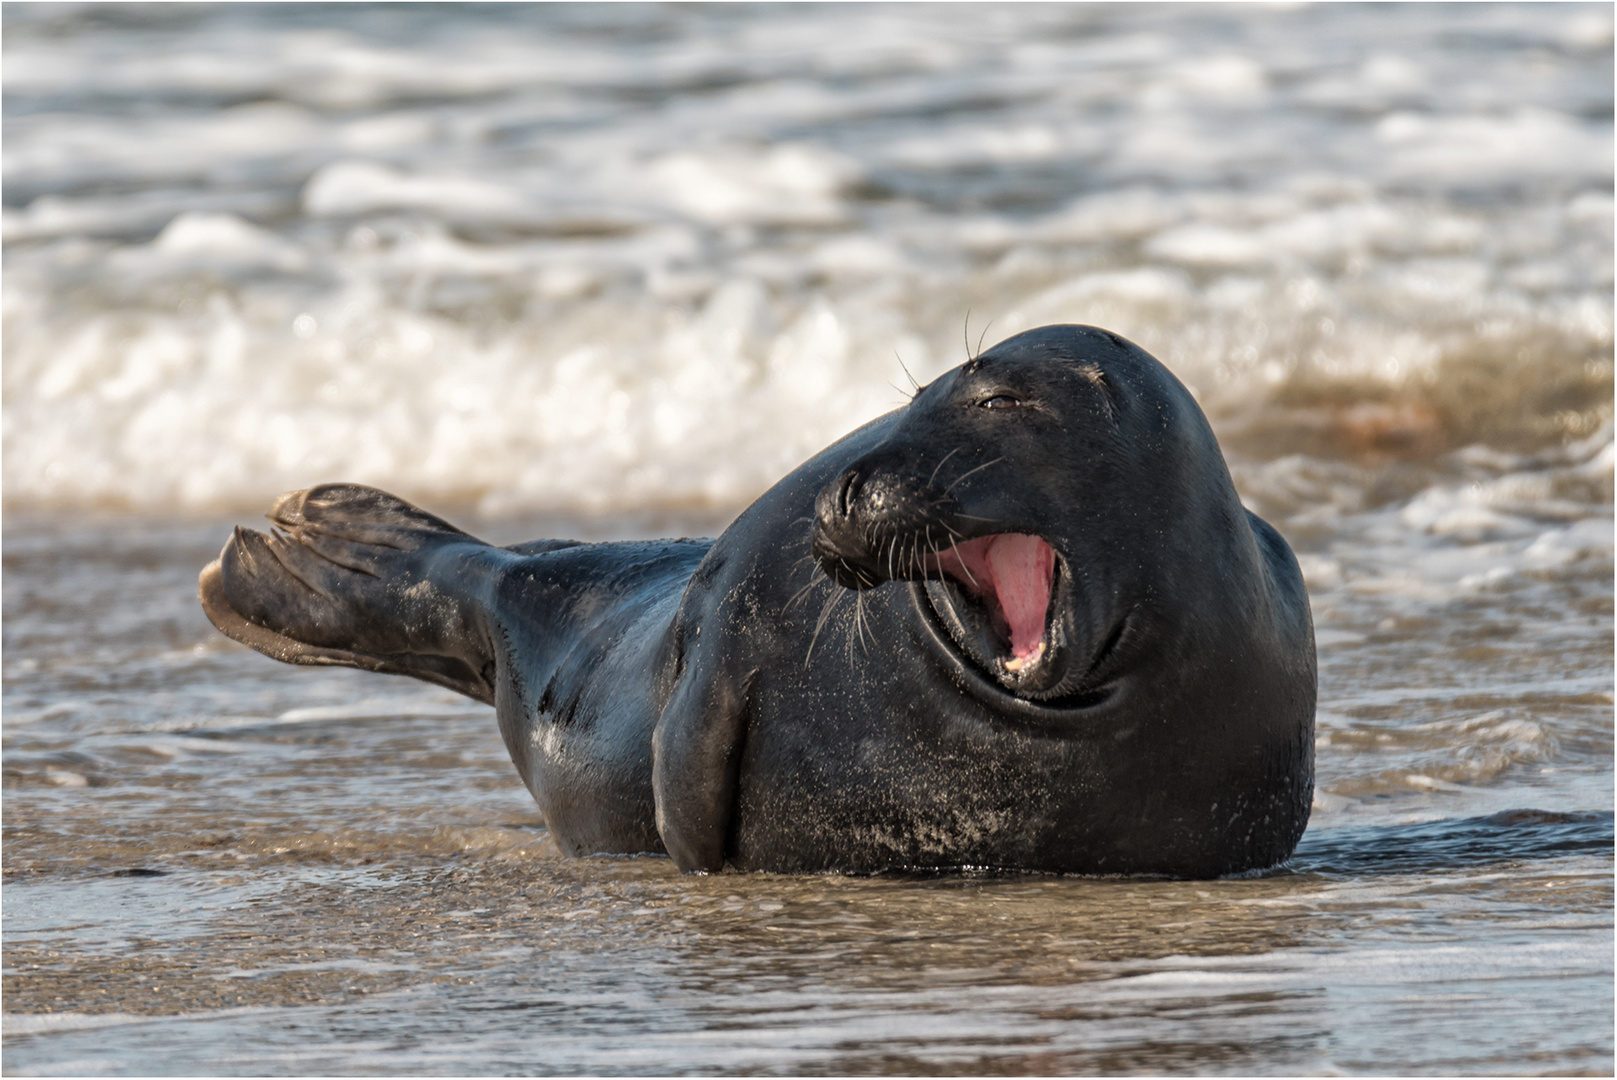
<point x="804" y="694"/>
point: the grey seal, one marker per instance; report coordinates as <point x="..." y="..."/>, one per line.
<point x="1022" y="622"/>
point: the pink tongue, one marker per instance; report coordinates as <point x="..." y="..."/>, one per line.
<point x="1015" y="570"/>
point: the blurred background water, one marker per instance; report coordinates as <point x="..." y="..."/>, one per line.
<point x="610" y="271"/>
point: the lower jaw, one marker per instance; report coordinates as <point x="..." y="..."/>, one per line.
<point x="1034" y="678"/>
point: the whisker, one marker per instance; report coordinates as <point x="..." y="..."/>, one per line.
<point x="907" y="374"/>
<point x="825" y="613"/>
<point x="852" y="628"/>
<point x="940" y="465"/>
<point x="859" y="621"/>
<point x="978" y="469"/>
<point x="802" y="593"/>
<point x="946" y="589"/>
<point x="970" y="576"/>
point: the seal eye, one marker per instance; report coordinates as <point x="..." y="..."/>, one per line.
<point x="1000" y="401"/>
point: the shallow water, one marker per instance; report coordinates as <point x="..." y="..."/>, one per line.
<point x="217" y="864"/>
<point x="608" y="272"/>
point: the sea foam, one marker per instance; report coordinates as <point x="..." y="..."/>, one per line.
<point x="542" y="264"/>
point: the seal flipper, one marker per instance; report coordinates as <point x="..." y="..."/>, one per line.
<point x="357" y="577"/>
<point x="696" y="755"/>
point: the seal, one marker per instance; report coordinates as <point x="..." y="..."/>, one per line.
<point x="1022" y="622"/>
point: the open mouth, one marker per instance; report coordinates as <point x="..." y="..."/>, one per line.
<point x="995" y="598"/>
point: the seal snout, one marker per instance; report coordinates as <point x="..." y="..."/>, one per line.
<point x="874" y="524"/>
<point x="839" y="542"/>
<point x="866" y="525"/>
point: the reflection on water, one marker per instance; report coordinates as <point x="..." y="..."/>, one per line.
<point x="1429" y="846"/>
<point x="551" y="965"/>
<point x="546" y="965"/>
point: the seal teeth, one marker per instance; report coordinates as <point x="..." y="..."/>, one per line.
<point x="1017" y="663"/>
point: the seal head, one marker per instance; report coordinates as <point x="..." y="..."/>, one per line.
<point x="1076" y="486"/>
<point x="1068" y="647"/>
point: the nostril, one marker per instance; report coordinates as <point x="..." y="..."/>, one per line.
<point x="847" y="491"/>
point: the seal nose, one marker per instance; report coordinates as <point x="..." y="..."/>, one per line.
<point x="839" y="542"/>
<point x="846" y="491"/>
